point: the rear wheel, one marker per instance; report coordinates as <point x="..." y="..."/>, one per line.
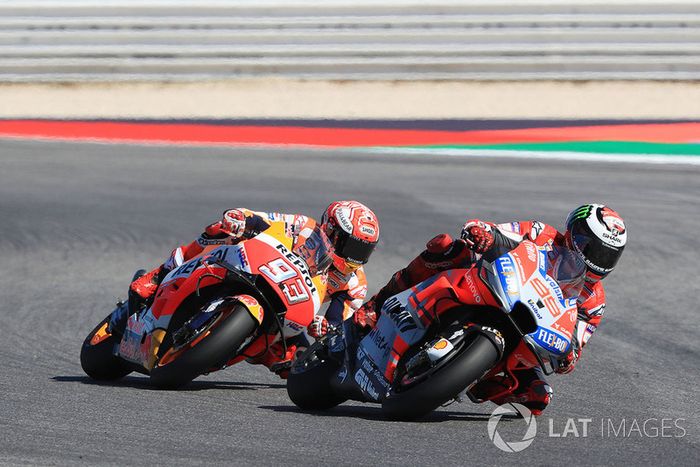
<point x="475" y="359"/>
<point x="97" y="357"/>
<point x="210" y="348"/>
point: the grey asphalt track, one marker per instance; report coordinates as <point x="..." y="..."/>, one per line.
<point x="77" y="219"/>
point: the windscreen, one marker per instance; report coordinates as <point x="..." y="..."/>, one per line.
<point x="317" y="252"/>
<point x="568" y="269"/>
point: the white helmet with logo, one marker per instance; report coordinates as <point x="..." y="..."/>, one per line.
<point x="598" y="235"/>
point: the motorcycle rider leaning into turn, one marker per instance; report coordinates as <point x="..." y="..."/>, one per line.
<point x="593" y="231"/>
<point x="351" y="227"/>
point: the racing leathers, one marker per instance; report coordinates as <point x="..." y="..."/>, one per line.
<point x="344" y="292"/>
<point x="490" y="241"/>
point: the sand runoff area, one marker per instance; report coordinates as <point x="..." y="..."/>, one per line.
<point x="282" y="98"/>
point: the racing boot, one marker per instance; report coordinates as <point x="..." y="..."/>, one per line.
<point x="145" y="286"/>
<point x="120" y="315"/>
<point x="488" y="388"/>
<point x="276" y="360"/>
<point x="535" y="396"/>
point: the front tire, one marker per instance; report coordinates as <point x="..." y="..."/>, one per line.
<point x="97" y="357"/>
<point x="447" y="382"/>
<point x="214" y="349"/>
<point x="310" y="388"/>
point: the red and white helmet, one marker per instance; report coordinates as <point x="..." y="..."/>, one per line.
<point x="598" y="234"/>
<point x="353" y="229"/>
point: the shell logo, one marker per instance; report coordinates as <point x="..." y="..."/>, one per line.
<point x="441" y="344"/>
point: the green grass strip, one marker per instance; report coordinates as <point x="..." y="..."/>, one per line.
<point x="601" y="147"/>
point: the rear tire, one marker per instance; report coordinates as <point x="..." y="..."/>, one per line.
<point x="446" y="383"/>
<point x="311" y="389"/>
<point x="212" y="351"/>
<point x="98" y="361"/>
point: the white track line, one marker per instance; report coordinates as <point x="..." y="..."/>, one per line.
<point x="551" y="155"/>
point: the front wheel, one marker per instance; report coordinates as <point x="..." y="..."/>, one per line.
<point x="97" y="357"/>
<point x="309" y="383"/>
<point x="211" y="348"/>
<point x="473" y="361"/>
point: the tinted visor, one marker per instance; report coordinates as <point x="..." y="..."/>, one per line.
<point x="353" y="249"/>
<point x="600" y="257"/>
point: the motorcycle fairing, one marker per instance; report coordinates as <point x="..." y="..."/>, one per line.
<point x="399" y="326"/>
<point x="290" y="277"/>
<point x="136" y="343"/>
<point x="403" y="322"/>
<point x="267" y="255"/>
<point x="520" y="276"/>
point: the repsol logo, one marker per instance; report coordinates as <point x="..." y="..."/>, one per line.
<point x="300" y="264"/>
<point x="188" y="267"/>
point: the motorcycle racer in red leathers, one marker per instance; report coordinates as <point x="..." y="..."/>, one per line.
<point x="594" y="231"/>
<point x="351" y="227"/>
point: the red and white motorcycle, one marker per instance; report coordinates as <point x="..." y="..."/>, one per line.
<point x="435" y="341"/>
<point x="230" y="303"/>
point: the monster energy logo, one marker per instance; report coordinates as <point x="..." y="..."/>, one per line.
<point x="581" y="213"/>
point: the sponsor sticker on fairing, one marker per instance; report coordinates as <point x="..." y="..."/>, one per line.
<point x="364" y="383"/>
<point x="439" y="349"/>
<point x="243" y="258"/>
<point x="496" y="335"/>
<point x="506" y="270"/>
<point x="472" y="287"/>
<point x="550" y="340"/>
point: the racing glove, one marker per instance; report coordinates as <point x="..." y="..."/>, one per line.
<point x="365" y="317"/>
<point x="566" y="364"/>
<point x="318" y="327"/>
<point x="477" y="235"/>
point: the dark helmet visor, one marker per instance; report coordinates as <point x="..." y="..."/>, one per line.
<point x="353" y="249"/>
<point x="600" y="257"/>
